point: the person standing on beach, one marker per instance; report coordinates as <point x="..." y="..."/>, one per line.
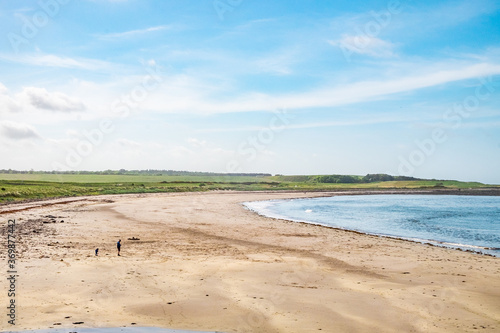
<point x="118" y="246"/>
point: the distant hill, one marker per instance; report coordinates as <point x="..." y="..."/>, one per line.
<point x="344" y="179"/>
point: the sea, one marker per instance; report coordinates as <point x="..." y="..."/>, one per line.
<point x="456" y="221"/>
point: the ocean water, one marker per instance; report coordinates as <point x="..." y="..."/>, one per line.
<point x="465" y="222"/>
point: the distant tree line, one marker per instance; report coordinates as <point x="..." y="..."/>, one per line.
<point x="369" y="178"/>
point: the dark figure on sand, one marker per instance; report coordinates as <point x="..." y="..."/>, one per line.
<point x="96" y="251"/>
<point x="118" y="246"/>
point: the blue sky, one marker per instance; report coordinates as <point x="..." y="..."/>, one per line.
<point x="288" y="87"/>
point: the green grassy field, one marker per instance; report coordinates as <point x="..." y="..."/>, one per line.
<point x="14" y="190"/>
<point x="15" y="187"/>
<point x="94" y="178"/>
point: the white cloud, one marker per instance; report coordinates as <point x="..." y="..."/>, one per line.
<point x="126" y="143"/>
<point x="364" y="44"/>
<point x="197" y="99"/>
<point x="196" y="94"/>
<point x="55" y="101"/>
<point x="370" y="90"/>
<point x="7" y="103"/>
<point x="18" y="131"/>
<point x="197" y="143"/>
<point x="199" y="95"/>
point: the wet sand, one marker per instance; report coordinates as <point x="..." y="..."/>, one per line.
<point x="202" y="262"/>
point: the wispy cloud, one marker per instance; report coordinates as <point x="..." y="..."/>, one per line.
<point x="278" y="63"/>
<point x="369" y="90"/>
<point x="420" y="20"/>
<point x="449" y="14"/>
<point x="188" y="100"/>
<point x="364" y="44"/>
<point x="50" y="60"/>
<point x="245" y="28"/>
<point x="339" y="123"/>
<point x="134" y="33"/>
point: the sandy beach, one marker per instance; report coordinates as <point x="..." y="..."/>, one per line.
<point x="201" y="261"/>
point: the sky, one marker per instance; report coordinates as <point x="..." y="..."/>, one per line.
<point x="284" y="87"/>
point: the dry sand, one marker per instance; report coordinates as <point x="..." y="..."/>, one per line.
<point x="204" y="262"/>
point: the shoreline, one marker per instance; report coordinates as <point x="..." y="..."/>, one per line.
<point x="203" y="262"/>
<point x="427" y="242"/>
